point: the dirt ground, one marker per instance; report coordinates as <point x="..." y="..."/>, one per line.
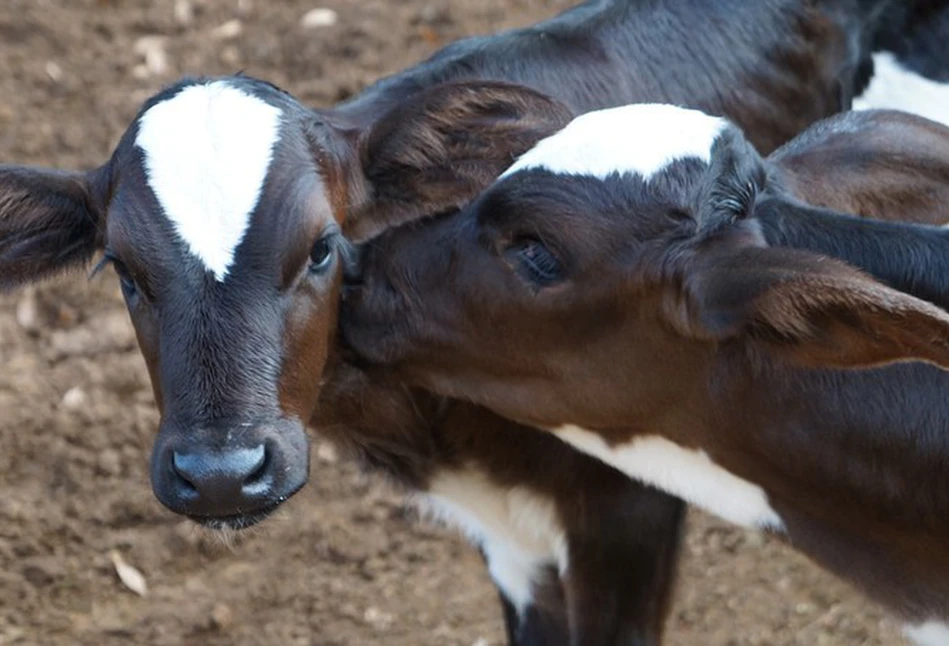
<point x="346" y="562"/>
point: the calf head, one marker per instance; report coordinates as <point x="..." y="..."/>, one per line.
<point x="223" y="211"/>
<point x="598" y="279"/>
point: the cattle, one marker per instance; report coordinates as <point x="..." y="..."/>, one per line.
<point x="621" y="292"/>
<point x="229" y="210"/>
<point x="552" y="509"/>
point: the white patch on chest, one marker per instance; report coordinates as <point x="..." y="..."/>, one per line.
<point x="206" y="152"/>
<point x="687" y="474"/>
<point x="898" y="88"/>
<point x="641" y="138"/>
<point x="518" y="530"/>
<point x="930" y="633"/>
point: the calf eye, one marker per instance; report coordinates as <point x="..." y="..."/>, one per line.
<point x="535" y="261"/>
<point x="129" y="288"/>
<point x="321" y="255"/>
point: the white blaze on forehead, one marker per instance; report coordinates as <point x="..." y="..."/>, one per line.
<point x="642" y="138"/>
<point x="898" y="88"/>
<point x="206" y="151"/>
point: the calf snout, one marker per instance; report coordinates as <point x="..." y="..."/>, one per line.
<point x="221" y="476"/>
<point x="382" y="308"/>
<point x="215" y="480"/>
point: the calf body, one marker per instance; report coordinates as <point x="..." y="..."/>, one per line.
<point x="648" y="322"/>
<point x="580" y="553"/>
<point x="883" y="165"/>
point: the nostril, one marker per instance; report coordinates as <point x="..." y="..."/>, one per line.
<point x="257" y="473"/>
<point x="178" y="466"/>
<point x="213" y="475"/>
<point x="259" y="480"/>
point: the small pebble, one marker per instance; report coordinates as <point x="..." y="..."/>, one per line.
<point x="184" y="12"/>
<point x="230" y="29"/>
<point x="221" y="617"/>
<point x="318" y="18"/>
<point x="378" y="619"/>
<point x="109" y="462"/>
<point x="54" y="71"/>
<point x="152" y="48"/>
<point x="74" y="399"/>
<point x="28" y="311"/>
<point x="326" y="452"/>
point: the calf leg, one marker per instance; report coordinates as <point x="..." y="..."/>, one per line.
<point x="622" y="567"/>
<point x="543" y="622"/>
<point x="511" y="620"/>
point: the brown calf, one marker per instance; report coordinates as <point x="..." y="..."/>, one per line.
<point x="617" y="288"/>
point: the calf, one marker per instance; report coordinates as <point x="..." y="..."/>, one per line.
<point x="433" y="446"/>
<point x="647" y="321"/>
<point x="224" y="207"/>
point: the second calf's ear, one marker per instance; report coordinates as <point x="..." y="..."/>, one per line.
<point x="438" y="150"/>
<point x="813" y="311"/>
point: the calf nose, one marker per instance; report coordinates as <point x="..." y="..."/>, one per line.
<point x="216" y="476"/>
<point x="237" y="478"/>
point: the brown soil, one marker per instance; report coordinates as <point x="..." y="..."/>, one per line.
<point x="345" y="563"/>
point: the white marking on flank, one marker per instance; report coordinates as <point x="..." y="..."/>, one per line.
<point x="518" y="530"/>
<point x="898" y="88"/>
<point x="930" y="633"/>
<point x="642" y="138"/>
<point x="685" y="473"/>
<point x="207" y="150"/>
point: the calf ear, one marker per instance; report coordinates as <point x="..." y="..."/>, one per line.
<point x="733" y="182"/>
<point x="49" y="222"/>
<point x="436" y="151"/>
<point x="816" y="311"/>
